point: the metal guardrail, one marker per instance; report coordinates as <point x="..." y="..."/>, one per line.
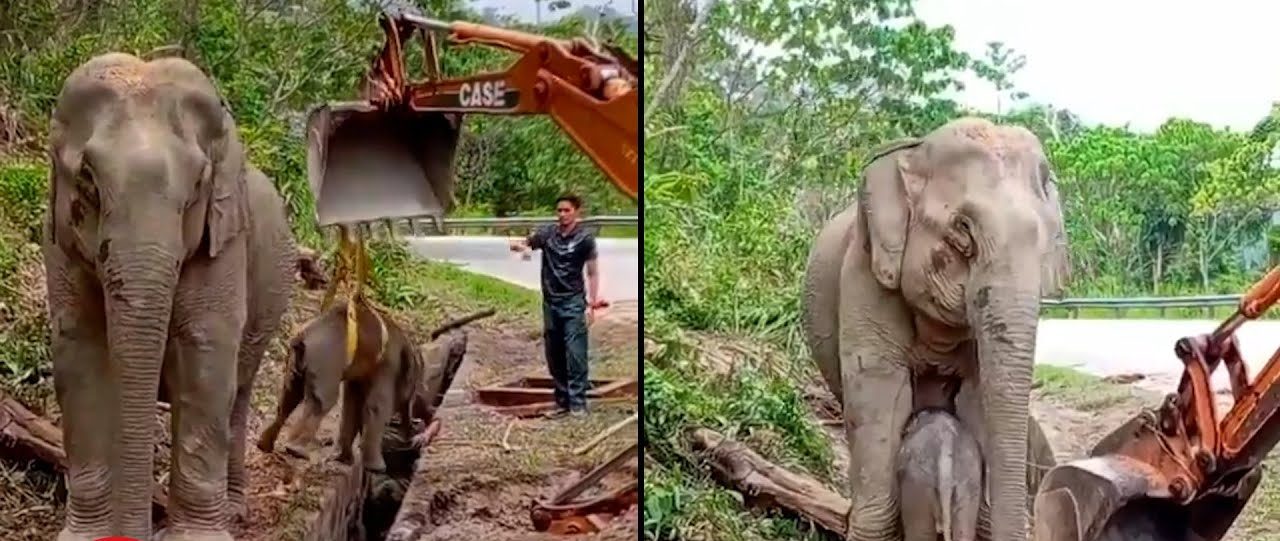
<point x="429" y="225"/>
<point x="1207" y="303"/>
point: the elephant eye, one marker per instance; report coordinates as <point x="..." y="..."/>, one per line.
<point x="960" y="237"/>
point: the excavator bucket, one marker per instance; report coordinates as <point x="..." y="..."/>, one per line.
<point x="1112" y="497"/>
<point x="365" y="163"/>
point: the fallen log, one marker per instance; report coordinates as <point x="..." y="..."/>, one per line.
<point x="25" y="436"/>
<point x="766" y="484"/>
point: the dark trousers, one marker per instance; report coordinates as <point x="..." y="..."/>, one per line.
<point x="565" y="339"/>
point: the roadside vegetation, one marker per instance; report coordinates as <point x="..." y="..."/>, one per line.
<point x="750" y="148"/>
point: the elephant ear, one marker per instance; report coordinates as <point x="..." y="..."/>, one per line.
<point x="890" y="182"/>
<point x="227" y="213"/>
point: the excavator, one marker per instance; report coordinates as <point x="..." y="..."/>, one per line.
<point x="390" y="155"/>
<point x="1176" y="471"/>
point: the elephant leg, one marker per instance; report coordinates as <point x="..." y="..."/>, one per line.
<point x="290" y="396"/>
<point x="378" y="406"/>
<point x="235" y="462"/>
<point x="253" y="345"/>
<point x="920" y="516"/>
<point x="353" y="399"/>
<point x="207" y="327"/>
<point x="875" y="331"/>
<point x="319" y="368"/>
<point x="86" y="395"/>
<point x="303" y="434"/>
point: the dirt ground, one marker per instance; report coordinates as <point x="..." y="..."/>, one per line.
<point x="481" y="490"/>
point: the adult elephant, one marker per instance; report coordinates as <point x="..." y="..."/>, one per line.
<point x="168" y="257"/>
<point x="939" y="265"/>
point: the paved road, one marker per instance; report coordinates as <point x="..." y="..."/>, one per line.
<point x="1105" y="347"/>
<point x="1097" y="346"/>
<point x="619" y="261"/>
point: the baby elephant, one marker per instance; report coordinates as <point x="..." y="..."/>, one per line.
<point x="382" y="378"/>
<point x="939" y="478"/>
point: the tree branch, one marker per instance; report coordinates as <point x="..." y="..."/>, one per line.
<point x="690" y="41"/>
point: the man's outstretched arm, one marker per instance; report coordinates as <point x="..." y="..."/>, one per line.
<point x="531" y="242"/>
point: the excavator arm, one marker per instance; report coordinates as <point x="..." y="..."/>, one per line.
<point x="391" y="154"/>
<point x="1175" y="472"/>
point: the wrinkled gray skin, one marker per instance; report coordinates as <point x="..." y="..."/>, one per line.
<point x="168" y="258"/>
<point x="373" y="387"/>
<point x="941" y="262"/>
<point x="940" y="476"/>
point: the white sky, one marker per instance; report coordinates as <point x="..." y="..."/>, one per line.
<point x="527" y="10"/>
<point x="1128" y="61"/>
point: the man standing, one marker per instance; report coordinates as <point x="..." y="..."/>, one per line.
<point x="566" y="248"/>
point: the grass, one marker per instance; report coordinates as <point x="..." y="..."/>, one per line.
<point x="1079" y="390"/>
<point x="430" y="292"/>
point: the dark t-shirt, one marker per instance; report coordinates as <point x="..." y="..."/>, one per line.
<point x="563" y="256"/>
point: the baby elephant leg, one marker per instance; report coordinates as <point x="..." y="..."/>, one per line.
<point x="940" y="479"/>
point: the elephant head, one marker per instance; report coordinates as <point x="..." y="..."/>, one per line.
<point x="147" y="173"/>
<point x="967" y="226"/>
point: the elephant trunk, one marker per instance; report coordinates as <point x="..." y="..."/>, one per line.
<point x="1004" y="305"/>
<point x="138" y="285"/>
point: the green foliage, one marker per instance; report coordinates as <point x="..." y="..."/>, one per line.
<point x="23" y="348"/>
<point x="752" y="405"/>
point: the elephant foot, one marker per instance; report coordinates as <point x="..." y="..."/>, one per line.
<point x="236" y="510"/>
<point x="184" y="535"/>
<point x="68" y="535"/>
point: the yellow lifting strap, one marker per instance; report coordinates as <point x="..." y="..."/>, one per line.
<point x="353" y="257"/>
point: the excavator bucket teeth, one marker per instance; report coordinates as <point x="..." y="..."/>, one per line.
<point x="1116" y="498"/>
<point x="366" y="164"/>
